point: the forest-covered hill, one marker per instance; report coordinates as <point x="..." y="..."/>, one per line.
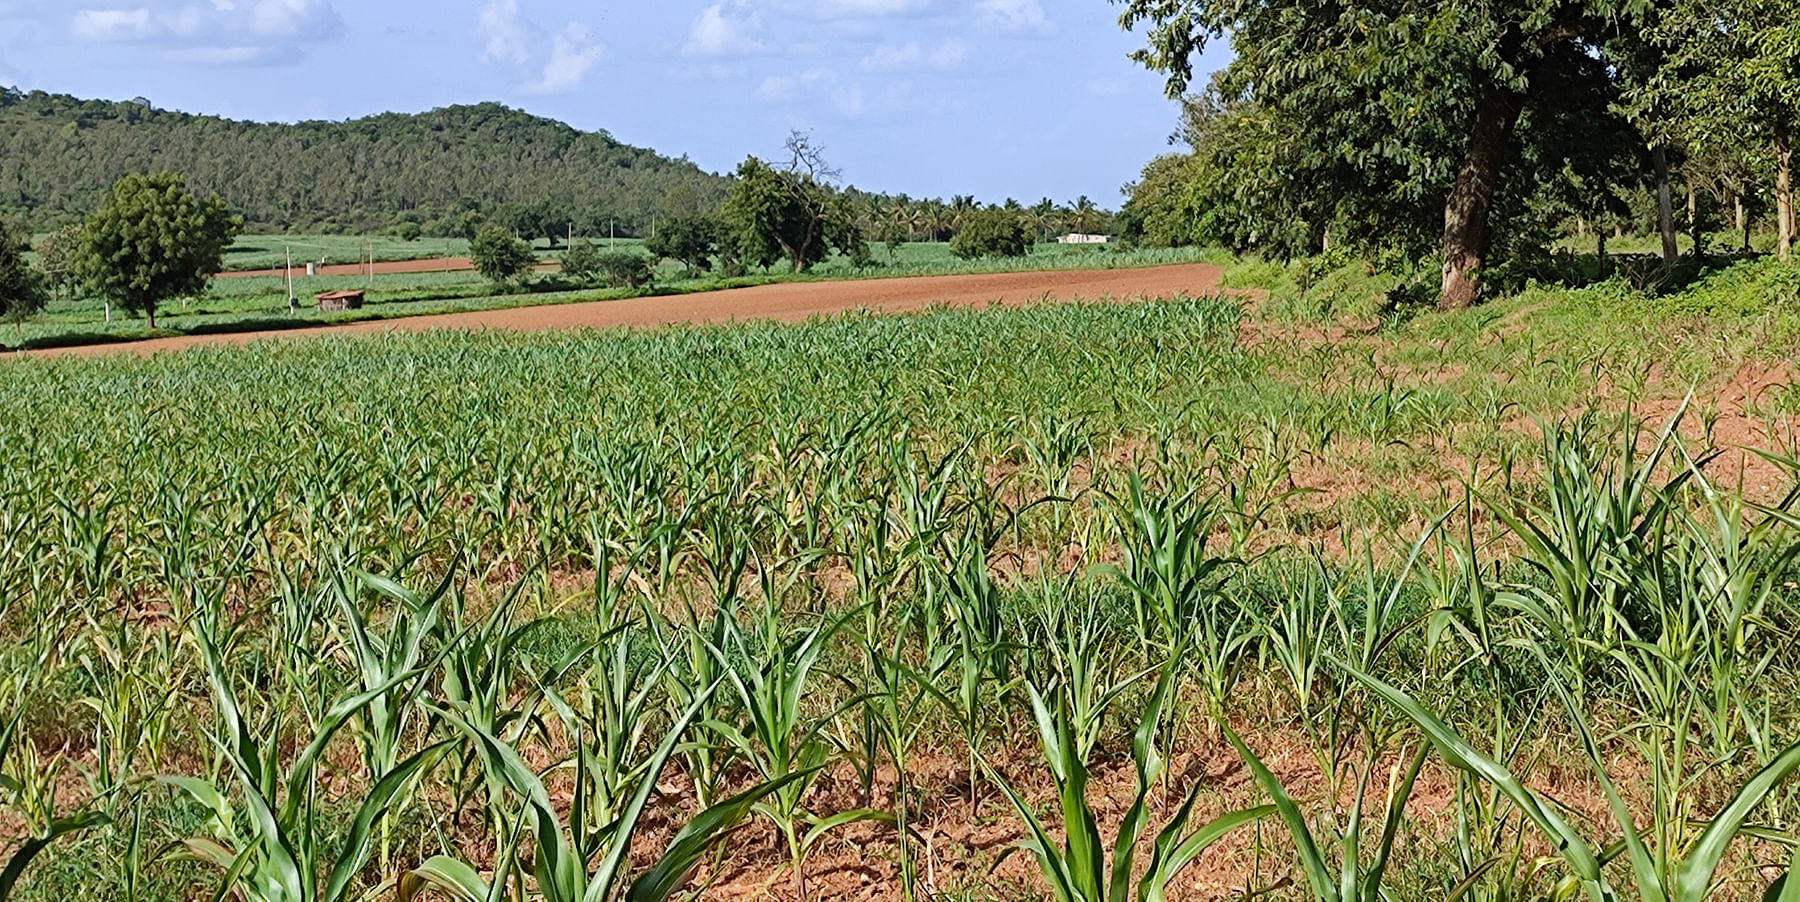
<point x="59" y="154"/>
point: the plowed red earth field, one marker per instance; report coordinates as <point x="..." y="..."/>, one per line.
<point x="786" y="302"/>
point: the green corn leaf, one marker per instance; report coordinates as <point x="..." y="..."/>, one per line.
<point x="690" y="845"/>
<point x="357" y="842"/>
<point x="1164" y="869"/>
<point x="825" y="825"/>
<point x="560" y="875"/>
<point x="1695" y="878"/>
<point x="1038" y="842"/>
<point x="600" y="887"/>
<point x="31" y="848"/>
<point x="1311" y="860"/>
<point x="446" y="875"/>
<point x="1460" y="754"/>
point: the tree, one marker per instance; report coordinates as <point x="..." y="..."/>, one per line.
<point x="625" y="269"/>
<point x="22" y="291"/>
<point x="582" y="260"/>
<point x="469" y="224"/>
<point x="991" y="232"/>
<point x="56" y="255"/>
<point x="792" y="212"/>
<point x="1729" y="78"/>
<point x="152" y="240"/>
<point x="500" y="256"/>
<point x="689" y="240"/>
<point x="544" y="219"/>
<point x="1401" y="103"/>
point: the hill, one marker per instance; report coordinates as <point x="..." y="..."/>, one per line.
<point x="59" y="154"/>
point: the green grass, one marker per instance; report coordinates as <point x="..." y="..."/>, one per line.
<point x="254" y="252"/>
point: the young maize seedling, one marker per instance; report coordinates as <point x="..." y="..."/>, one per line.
<point x="1077" y="870"/>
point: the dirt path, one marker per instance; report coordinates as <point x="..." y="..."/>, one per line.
<point x="786" y="302"/>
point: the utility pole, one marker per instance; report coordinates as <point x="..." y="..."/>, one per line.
<point x="292" y="307"/>
<point x="612" y="236"/>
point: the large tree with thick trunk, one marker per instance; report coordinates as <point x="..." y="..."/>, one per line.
<point x="1419" y="102"/>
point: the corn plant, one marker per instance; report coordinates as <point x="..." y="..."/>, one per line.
<point x="1354" y="879"/>
<point x="28" y="787"/>
<point x="786" y="745"/>
<point x="587" y="859"/>
<point x="1669" y="863"/>
<point x="1172" y="577"/>
<point x="270" y="844"/>
<point x="1078" y="869"/>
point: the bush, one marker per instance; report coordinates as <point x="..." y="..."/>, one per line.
<point x="993" y="232"/>
<point x="623" y="269"/>
<point x="499" y="256"/>
<point x="689" y="240"/>
<point x="582" y="261"/>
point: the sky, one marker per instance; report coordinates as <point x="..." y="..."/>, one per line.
<point x="995" y="98"/>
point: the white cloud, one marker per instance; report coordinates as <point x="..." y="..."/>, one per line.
<point x="234" y="56"/>
<point x="572" y="54"/>
<point x="220" y="32"/>
<point x="1013" y="15"/>
<point x="913" y="57"/>
<point x="855" y="9"/>
<point x="505" y="32"/>
<point x="813" y="85"/>
<point x="220" y="20"/>
<point x="725" y="29"/>
<point x="112" y="25"/>
<point x="557" y="63"/>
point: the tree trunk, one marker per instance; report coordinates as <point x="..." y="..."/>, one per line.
<point x="1472" y="198"/>
<point x="1665" y="203"/>
<point x="1784" y="193"/>
<point x="1743" y="218"/>
<point x="1694" y="222"/>
<point x="150" y="317"/>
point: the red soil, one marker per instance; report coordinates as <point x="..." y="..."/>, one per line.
<point x="785" y="302"/>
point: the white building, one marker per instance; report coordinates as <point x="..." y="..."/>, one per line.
<point x="1078" y="238"/>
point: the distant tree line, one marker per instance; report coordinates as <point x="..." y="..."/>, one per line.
<point x="1470" y="132"/>
<point x="448" y="173"/>
<point x="425" y="174"/>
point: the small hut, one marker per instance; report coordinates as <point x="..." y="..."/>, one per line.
<point x="340" y="300"/>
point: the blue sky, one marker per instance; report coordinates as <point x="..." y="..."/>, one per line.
<point x="997" y="98"/>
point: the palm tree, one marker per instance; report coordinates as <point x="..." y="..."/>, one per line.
<point x="1043" y="213"/>
<point x="1084" y="213"/>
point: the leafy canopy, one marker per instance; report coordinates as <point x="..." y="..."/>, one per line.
<point x="992" y="232"/>
<point x="691" y="240"/>
<point x="21" y="287"/>
<point x="792" y="213"/>
<point x="152" y="241"/>
<point x="499" y="256"/>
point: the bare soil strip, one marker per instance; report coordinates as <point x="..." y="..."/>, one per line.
<point x="790" y="302"/>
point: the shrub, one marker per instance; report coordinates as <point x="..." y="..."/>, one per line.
<point x="993" y="232"/>
<point x="624" y="269"/>
<point x="581" y="261"/>
<point x="499" y="256"/>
